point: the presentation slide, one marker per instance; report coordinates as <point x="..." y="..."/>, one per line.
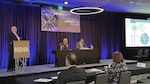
<point x="137" y="32"/>
<point x="55" y="20"/>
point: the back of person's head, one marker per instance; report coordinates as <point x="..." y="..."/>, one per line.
<point x="118" y="57"/>
<point x="71" y="59"/>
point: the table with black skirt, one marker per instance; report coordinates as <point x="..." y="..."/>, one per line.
<point x="83" y="56"/>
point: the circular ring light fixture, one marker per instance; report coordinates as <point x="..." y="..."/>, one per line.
<point x="98" y="10"/>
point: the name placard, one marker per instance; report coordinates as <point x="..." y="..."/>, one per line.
<point x="141" y="64"/>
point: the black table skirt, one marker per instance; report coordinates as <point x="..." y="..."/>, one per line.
<point x="83" y="56"/>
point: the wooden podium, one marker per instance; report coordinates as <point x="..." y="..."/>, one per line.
<point x="21" y="52"/>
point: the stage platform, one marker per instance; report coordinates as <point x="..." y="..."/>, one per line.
<point x="51" y="68"/>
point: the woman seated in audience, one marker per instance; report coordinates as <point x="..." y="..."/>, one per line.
<point x="115" y="68"/>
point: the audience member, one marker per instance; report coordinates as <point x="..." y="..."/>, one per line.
<point x="115" y="68"/>
<point x="72" y="73"/>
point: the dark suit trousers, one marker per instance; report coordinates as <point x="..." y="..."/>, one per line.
<point x="11" y="60"/>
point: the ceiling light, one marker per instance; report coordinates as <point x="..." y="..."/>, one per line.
<point x="98" y="10"/>
<point x="65" y="2"/>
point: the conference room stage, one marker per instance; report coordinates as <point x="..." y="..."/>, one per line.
<point x="107" y="41"/>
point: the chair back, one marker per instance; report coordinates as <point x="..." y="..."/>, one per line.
<point x="140" y="52"/>
<point x="101" y="79"/>
<point x="125" y="77"/>
<point x="76" y="82"/>
<point x="146" y="52"/>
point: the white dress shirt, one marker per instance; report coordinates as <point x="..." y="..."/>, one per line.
<point x="18" y="38"/>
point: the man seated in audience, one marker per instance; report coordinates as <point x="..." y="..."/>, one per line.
<point x="116" y="67"/>
<point x="72" y="73"/>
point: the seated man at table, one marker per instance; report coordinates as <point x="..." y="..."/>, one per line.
<point x="81" y="44"/>
<point x="64" y="45"/>
<point x="72" y="73"/>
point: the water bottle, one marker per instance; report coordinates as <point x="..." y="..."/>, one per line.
<point x="92" y="47"/>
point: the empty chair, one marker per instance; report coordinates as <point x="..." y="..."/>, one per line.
<point x="139" y="55"/>
<point x="101" y="79"/>
<point x="76" y="82"/>
<point x="125" y="77"/>
<point x="140" y="52"/>
<point x="145" y="53"/>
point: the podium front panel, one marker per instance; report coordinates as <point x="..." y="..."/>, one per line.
<point x="21" y="49"/>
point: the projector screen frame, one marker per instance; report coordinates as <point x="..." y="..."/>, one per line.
<point x="124" y="33"/>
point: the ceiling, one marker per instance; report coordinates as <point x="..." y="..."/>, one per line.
<point x="135" y="6"/>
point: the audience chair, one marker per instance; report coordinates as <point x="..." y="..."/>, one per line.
<point x="139" y="55"/>
<point x="145" y="53"/>
<point x="101" y="79"/>
<point x="125" y="77"/>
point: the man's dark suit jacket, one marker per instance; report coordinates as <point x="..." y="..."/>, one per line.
<point x="10" y="38"/>
<point x="71" y="74"/>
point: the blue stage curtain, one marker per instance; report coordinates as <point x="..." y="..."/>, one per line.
<point x="5" y="22"/>
<point x="103" y="31"/>
<point x="27" y="20"/>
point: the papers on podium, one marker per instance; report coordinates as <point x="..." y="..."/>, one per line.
<point x="85" y="48"/>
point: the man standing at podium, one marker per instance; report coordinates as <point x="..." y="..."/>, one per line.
<point x="12" y="36"/>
